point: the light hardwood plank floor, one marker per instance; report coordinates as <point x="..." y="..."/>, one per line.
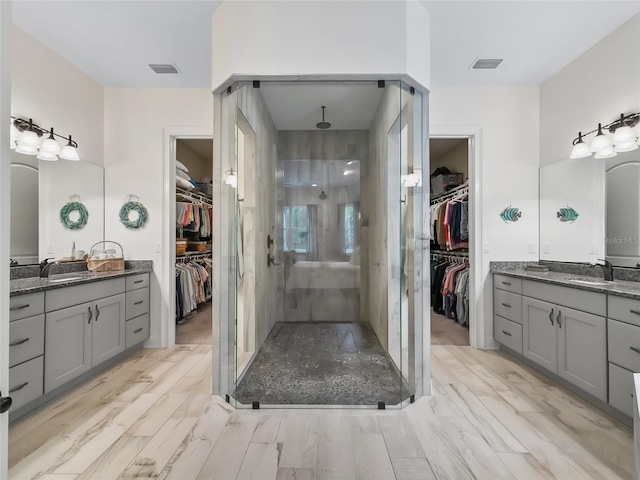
<point x="152" y="416"/>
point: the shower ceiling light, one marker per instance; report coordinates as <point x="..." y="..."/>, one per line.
<point x="323" y="195"/>
<point x="323" y="125"/>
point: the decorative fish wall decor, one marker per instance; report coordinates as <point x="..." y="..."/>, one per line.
<point x="510" y="214"/>
<point x="567" y="214"/>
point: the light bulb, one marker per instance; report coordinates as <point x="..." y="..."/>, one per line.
<point x="50" y="146"/>
<point x="69" y="152"/>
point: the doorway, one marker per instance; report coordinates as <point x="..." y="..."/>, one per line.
<point x="450" y="240"/>
<point x="193" y="231"/>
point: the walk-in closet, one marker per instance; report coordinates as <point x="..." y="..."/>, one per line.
<point x="449" y="233"/>
<point x="194" y="223"/>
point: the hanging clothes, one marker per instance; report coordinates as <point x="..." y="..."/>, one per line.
<point x="449" y="223"/>
<point x="450" y="290"/>
<point x="193" y="285"/>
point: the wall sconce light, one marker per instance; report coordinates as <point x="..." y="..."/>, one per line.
<point x="30" y="139"/>
<point x="232" y="179"/>
<point x="625" y="138"/>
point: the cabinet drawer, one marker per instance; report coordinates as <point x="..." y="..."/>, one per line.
<point x="624" y="345"/>
<point x="25" y="382"/>
<point x="24" y="306"/>
<point x="137" y="330"/>
<point x="509" y="284"/>
<point x="624" y="309"/>
<point x="507" y="305"/>
<point x="137" y="281"/>
<point x="137" y="303"/>
<point x="26" y="339"/>
<point x="70" y="296"/>
<point x="621" y="389"/>
<point x="590" y="302"/>
<point x="508" y="333"/>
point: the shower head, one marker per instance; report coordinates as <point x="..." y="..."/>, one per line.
<point x="323" y="125"/>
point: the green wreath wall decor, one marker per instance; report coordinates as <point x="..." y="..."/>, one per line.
<point x="68" y="209"/>
<point x="133" y="206"/>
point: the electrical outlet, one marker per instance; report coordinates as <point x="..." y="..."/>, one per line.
<point x="158" y="247"/>
<point x="531" y="247"/>
<point x="547" y="247"/>
<point x="485" y="247"/>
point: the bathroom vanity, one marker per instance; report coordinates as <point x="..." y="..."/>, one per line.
<point x="66" y="328"/>
<point x="581" y="331"/>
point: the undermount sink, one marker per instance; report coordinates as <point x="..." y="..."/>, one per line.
<point x="66" y="279"/>
<point x="588" y="281"/>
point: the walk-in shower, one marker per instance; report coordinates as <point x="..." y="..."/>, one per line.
<point x="322" y="243"/>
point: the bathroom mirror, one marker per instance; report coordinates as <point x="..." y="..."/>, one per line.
<point x="39" y="190"/>
<point x="622" y="242"/>
<point x="590" y="209"/>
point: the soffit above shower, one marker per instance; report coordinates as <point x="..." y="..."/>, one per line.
<point x="350" y="105"/>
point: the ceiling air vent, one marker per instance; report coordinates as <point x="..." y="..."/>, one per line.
<point x="486" y="63"/>
<point x="163" y="68"/>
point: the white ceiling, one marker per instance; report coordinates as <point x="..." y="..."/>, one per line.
<point x="297" y="106"/>
<point x="114" y="41"/>
<point x="324" y="174"/>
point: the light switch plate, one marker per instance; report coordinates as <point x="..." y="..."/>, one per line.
<point x="531" y="247"/>
<point x="158" y="247"/>
<point x="547" y="247"/>
<point x="485" y="247"/>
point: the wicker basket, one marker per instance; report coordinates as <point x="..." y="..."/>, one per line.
<point x="181" y="245"/>
<point x="197" y="246"/>
<point x="97" y="264"/>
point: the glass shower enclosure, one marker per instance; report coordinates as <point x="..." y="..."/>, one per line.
<point x="322" y="244"/>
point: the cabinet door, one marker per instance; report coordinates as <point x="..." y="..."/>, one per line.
<point x="582" y="350"/>
<point x="108" y="328"/>
<point x="539" y="336"/>
<point x="67" y="345"/>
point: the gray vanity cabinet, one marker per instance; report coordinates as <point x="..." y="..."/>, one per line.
<point x="80" y="337"/>
<point x="68" y="345"/>
<point x="540" y="337"/>
<point x="107" y="328"/>
<point x="567" y="342"/>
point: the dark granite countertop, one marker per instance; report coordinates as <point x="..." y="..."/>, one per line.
<point x="620" y="288"/>
<point x="21" y="286"/>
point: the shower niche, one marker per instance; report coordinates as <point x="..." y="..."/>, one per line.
<point x="330" y="312"/>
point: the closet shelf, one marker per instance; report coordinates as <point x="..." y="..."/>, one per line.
<point x="464" y="188"/>
<point x="194" y="197"/>
<point x="206" y="253"/>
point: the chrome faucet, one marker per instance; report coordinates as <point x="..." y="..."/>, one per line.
<point x="607" y="269"/>
<point x="44" y="267"/>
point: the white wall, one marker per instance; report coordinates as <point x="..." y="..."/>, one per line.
<point x="199" y="166"/>
<point x="456" y="160"/>
<point x="595" y="88"/>
<point x="381" y="39"/>
<point x="134" y="121"/>
<point x="56" y="94"/>
<point x="508" y="118"/>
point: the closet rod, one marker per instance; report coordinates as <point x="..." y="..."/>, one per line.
<point x="462" y="189"/>
<point x="450" y="256"/>
<point x="192" y="256"/>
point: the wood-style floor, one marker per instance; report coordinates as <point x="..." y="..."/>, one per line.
<point x="445" y="331"/>
<point x="196" y="327"/>
<point x="152" y="417"/>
